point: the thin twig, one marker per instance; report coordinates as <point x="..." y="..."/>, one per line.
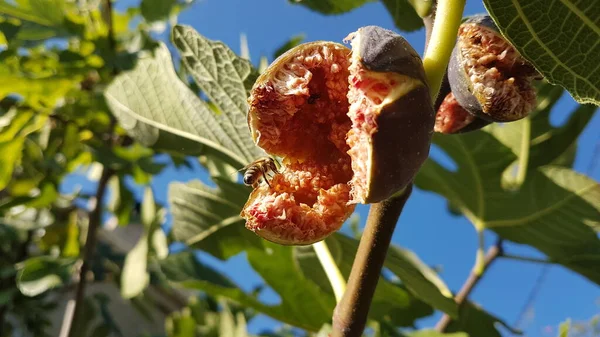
<point x="350" y="315"/>
<point x="532" y="296"/>
<point x="89" y="249"/>
<point x="474" y="278"/>
<point x="526" y="259"/>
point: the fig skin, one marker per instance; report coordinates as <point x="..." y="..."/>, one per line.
<point x="495" y="108"/>
<point x="401" y="143"/>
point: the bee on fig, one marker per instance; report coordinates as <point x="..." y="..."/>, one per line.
<point x="258" y="170"/>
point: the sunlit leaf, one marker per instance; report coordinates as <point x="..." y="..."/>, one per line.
<point x="208" y="218"/>
<point x="160" y="111"/>
<point x="134" y="276"/>
<point x="39" y="274"/>
<point x="148" y="210"/>
<point x="389" y="299"/>
<point x="547" y="144"/>
<point x="48" y="13"/>
<point x="223" y="77"/>
<point x="559" y="38"/>
<point x="121" y="200"/>
<point x="276" y="265"/>
<point x="554" y="211"/>
<point x="11" y="152"/>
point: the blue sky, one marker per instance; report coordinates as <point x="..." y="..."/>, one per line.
<point x="438" y="238"/>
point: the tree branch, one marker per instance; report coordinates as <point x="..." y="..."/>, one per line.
<point x="350" y="315"/>
<point x="474" y="278"/>
<point x="90" y="247"/>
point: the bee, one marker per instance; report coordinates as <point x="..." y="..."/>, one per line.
<point x="258" y="170"/>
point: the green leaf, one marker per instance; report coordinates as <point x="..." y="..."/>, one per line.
<point x="39" y="274"/>
<point x="208" y="218"/>
<point x="160" y="245"/>
<point x="554" y="211"/>
<point x="289" y="44"/>
<point x="276" y="265"/>
<point x="223" y="77"/>
<point x="558" y="38"/>
<point x="156" y="10"/>
<point x="48" y="13"/>
<point x="433" y="333"/>
<point x="6" y="295"/>
<point x="121" y="200"/>
<point x="148" y="211"/>
<point x="477" y="322"/>
<point x="12" y="151"/>
<point x="547" y="143"/>
<point x="134" y="276"/>
<point x="182" y="267"/>
<point x="331" y="6"/>
<point x="412" y="272"/>
<point x="404" y="14"/>
<point x="420" y="279"/>
<point x="161" y="112"/>
<point x="391" y="302"/>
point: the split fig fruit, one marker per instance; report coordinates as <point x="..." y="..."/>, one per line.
<point x="351" y="126"/>
<point x="487" y="75"/>
<point x="452" y="118"/>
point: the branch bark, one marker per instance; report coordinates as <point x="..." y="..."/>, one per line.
<point x="90" y="247"/>
<point x="474" y="278"/>
<point x="350" y="315"/>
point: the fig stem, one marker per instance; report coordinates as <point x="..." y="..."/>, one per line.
<point x="337" y="281"/>
<point x="350" y="315"/>
<point x="448" y="15"/>
<point x="492" y="254"/>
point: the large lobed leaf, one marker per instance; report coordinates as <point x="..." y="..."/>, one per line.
<point x="560" y="38"/>
<point x="160" y="111"/>
<point x="555" y="210"/>
<point x="224" y="78"/>
<point x="208" y="218"/>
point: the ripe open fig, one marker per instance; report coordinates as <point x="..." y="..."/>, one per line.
<point x="487" y="75"/>
<point x="351" y="126"/>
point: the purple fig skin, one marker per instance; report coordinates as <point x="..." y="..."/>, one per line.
<point x="382" y="50"/>
<point x="461" y="87"/>
<point x="405" y="126"/>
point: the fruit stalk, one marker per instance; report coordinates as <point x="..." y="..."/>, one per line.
<point x="448" y="14"/>
<point x="350" y="315"/>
